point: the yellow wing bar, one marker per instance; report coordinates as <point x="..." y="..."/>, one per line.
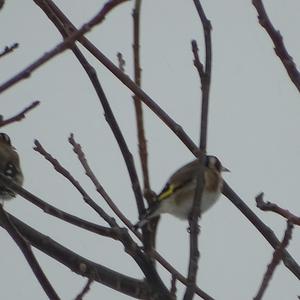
<point x="167" y="192"/>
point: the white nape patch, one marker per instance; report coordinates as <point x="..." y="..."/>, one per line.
<point x="212" y="161"/>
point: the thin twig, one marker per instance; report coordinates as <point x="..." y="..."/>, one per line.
<point x="279" y="46"/>
<point x="121" y="61"/>
<point x="60" y="169"/>
<point x="61" y="47"/>
<point x="60" y="214"/>
<point x="197" y="63"/>
<point x="148" y="232"/>
<point x="277" y="256"/>
<point x="20" y="115"/>
<point x="8" y="49"/>
<point x="85" y="290"/>
<point x="266" y="232"/>
<point x="269" y="206"/>
<point x="142" y="143"/>
<point x="28" y="254"/>
<point x="205" y="78"/>
<point x="88" y="171"/>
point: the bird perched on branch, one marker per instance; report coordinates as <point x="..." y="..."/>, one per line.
<point x="9" y="166"/>
<point x="177" y="196"/>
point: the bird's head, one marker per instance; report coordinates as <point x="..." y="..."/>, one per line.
<point x="213" y="163"/>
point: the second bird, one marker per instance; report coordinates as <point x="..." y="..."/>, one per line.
<point x="177" y="196"/>
<point x="9" y="166"/>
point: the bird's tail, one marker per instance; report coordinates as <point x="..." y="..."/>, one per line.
<point x="149" y="214"/>
<point x="141" y="223"/>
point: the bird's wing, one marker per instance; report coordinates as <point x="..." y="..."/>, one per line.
<point x="180" y="178"/>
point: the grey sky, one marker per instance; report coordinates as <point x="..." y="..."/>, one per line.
<point x="253" y="128"/>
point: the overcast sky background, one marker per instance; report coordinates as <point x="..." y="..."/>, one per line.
<point x="253" y="128"/>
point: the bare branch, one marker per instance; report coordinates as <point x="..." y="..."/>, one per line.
<point x="268" y="206"/>
<point x="130" y="286"/>
<point x="205" y="77"/>
<point x="28" y="254"/>
<point x="60" y="214"/>
<point x="20" y="115"/>
<point x="88" y="171"/>
<point x="121" y="61"/>
<point x="8" y="49"/>
<point x="142" y="143"/>
<point x="266" y="232"/>
<point x="85" y="290"/>
<point x="149" y="233"/>
<point x="277" y="256"/>
<point x="61" y="47"/>
<point x="60" y="169"/>
<point x="197" y="63"/>
<point x="279" y="46"/>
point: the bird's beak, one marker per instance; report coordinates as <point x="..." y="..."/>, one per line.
<point x="225" y="169"/>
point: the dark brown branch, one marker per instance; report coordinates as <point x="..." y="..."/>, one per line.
<point x="28" y="254"/>
<point x="61" y="47"/>
<point x="142" y="143"/>
<point x="78" y="150"/>
<point x="81" y="157"/>
<point x="121" y="61"/>
<point x="277" y="256"/>
<point x="60" y="169"/>
<point x="279" y="46"/>
<point x="148" y="232"/>
<point x="266" y="232"/>
<point x="9" y="49"/>
<point x="197" y="63"/>
<point x="85" y="290"/>
<point x="268" y="206"/>
<point x="20" y="115"/>
<point x="53" y="211"/>
<point x="205" y="78"/>
<point x="82" y="266"/>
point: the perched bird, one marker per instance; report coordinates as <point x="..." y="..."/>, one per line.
<point x="9" y="166"/>
<point x="177" y="196"/>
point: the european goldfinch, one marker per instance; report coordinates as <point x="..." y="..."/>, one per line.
<point x="177" y="196"/>
<point x="9" y="166"/>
